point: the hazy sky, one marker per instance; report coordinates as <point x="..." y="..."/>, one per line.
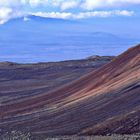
<point x="69" y="9"/>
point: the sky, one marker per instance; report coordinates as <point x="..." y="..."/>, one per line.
<point x="68" y="9"/>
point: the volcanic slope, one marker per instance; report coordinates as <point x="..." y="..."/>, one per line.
<point x="20" y="81"/>
<point x="105" y="101"/>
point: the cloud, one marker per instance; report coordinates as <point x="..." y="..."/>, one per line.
<point x="83" y="4"/>
<point x="93" y="4"/>
<point x="4" y="14"/>
<point x="83" y="15"/>
<point x="64" y="4"/>
<point x="16" y="8"/>
<point x="69" y="4"/>
<point x="35" y="3"/>
<point x="8" y="13"/>
<point x="17" y="3"/>
<point x="63" y="15"/>
<point x="104" y="14"/>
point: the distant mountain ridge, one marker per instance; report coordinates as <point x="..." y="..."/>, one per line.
<point x="30" y="18"/>
<point x="37" y="39"/>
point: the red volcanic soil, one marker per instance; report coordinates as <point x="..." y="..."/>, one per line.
<point x="105" y="101"/>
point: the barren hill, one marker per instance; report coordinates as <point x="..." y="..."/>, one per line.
<point x="105" y="101"/>
<point x="19" y="81"/>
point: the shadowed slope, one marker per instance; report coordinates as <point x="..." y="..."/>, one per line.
<point x="76" y="108"/>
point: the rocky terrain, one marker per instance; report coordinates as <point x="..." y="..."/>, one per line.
<point x="18" y="81"/>
<point x="27" y="136"/>
<point x="105" y="101"/>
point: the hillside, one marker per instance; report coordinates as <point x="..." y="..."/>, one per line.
<point x="105" y="101"/>
<point x="18" y="81"/>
